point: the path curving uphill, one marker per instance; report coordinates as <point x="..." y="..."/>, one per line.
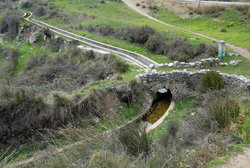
<point x="131" y="4"/>
<point x="133" y="57"/>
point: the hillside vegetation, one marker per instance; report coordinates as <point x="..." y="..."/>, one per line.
<point x="68" y="108"/>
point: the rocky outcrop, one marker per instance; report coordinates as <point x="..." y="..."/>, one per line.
<point x="34" y="38"/>
<point x="34" y="35"/>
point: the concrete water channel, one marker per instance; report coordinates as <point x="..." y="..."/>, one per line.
<point x="158" y="111"/>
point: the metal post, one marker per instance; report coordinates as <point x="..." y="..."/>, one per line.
<point x="222" y="49"/>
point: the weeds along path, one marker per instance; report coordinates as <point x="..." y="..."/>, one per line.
<point x="137" y="118"/>
<point x="132" y="4"/>
<point x="133" y="57"/>
<point x="239" y="161"/>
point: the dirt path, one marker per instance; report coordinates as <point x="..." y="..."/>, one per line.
<point x="239" y="161"/>
<point x="132" y="4"/>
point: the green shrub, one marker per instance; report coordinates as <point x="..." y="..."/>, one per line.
<point x="176" y="55"/>
<point x="121" y="66"/>
<point x="135" y="140"/>
<point x="164" y="139"/>
<point x="213" y="50"/>
<point x="173" y="127"/>
<point x="224" y="110"/>
<point x="106" y="30"/>
<point x="156" y="44"/>
<point x="212" y="10"/>
<point x="211" y="80"/>
<point x="244" y="9"/>
<point x="10" y="25"/>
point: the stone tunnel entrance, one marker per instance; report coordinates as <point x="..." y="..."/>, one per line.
<point x="159" y="107"/>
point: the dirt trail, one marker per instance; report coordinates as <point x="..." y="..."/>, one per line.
<point x="239" y="161"/>
<point x="132" y="4"/>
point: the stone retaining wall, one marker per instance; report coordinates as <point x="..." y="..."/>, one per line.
<point x="181" y="82"/>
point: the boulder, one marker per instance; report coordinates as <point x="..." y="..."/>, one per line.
<point x="34" y="38"/>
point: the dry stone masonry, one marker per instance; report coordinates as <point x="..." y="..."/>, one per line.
<point x="185" y="81"/>
<point x="203" y="62"/>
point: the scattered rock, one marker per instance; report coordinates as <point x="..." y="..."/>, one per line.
<point x="171" y="64"/>
<point x="151" y="65"/>
<point x="211" y="61"/>
<point x="34" y="38"/>
<point x="234" y="62"/>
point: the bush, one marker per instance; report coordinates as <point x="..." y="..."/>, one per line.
<point x="213" y="10"/>
<point x="135" y="140"/>
<point x="173" y="127"/>
<point x="20" y="111"/>
<point x="244" y="9"/>
<point x="26" y="4"/>
<point x="201" y="48"/>
<point x="36" y="61"/>
<point x="91" y="28"/>
<point x="121" y="66"/>
<point x="39" y="11"/>
<point x="211" y="80"/>
<point x="156" y="44"/>
<point x="62" y="109"/>
<point x="180" y="50"/>
<point x="138" y="35"/>
<point x="10" y="24"/>
<point x="142" y="34"/>
<point x="125" y="33"/>
<point x="176" y="55"/>
<point x="224" y="110"/>
<point x="106" y="30"/>
<point x="11" y="60"/>
<point x="213" y="50"/>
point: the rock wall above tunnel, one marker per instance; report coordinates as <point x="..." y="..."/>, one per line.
<point x="184" y="82"/>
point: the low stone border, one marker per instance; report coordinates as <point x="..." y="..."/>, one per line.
<point x="201" y="63"/>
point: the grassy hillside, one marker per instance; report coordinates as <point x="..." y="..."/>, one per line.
<point x="111" y="13"/>
<point x="52" y="95"/>
<point x="235" y="23"/>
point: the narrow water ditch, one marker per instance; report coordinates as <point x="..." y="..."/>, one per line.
<point x="159" y="107"/>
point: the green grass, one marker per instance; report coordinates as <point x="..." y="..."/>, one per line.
<point x="233" y="21"/>
<point x="127" y="76"/>
<point x="244" y="129"/>
<point x="182" y="107"/>
<point x="26" y="50"/>
<point x="241" y="69"/>
<point x="217" y="162"/>
<point x="21" y="153"/>
<point x="116" y="15"/>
